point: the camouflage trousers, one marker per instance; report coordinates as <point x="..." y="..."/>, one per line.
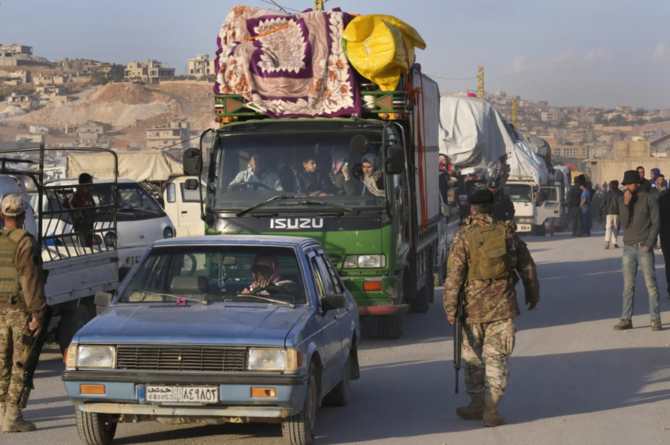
<point x="13" y="326"/>
<point x="493" y="342"/>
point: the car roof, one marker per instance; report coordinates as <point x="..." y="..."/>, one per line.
<point x="289" y="241"/>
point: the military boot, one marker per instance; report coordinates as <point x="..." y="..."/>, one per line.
<point x="2" y="413"/>
<point x="656" y="325"/>
<point x="475" y="410"/>
<point x="623" y="325"/>
<point x="491" y="416"/>
<point x="14" y="422"/>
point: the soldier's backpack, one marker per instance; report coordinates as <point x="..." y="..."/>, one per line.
<point x="487" y="247"/>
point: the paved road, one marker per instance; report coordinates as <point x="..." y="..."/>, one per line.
<point x="574" y="380"/>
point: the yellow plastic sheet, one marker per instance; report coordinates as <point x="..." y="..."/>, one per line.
<point x="375" y="46"/>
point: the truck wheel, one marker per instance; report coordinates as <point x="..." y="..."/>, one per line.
<point x="389" y="326"/>
<point x="94" y="430"/>
<point x="70" y="323"/>
<point x="299" y="429"/>
<point x="339" y="396"/>
<point x="538" y="230"/>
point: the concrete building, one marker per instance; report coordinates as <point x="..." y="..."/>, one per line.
<point x="201" y="66"/>
<point x="31" y="138"/>
<point x="35" y="129"/>
<point x="174" y="134"/>
<point x="571" y="151"/>
<point x="18" y="78"/>
<point x="148" y="71"/>
<point x="551" y="116"/>
<point x="76" y="65"/>
<point x="91" y="131"/>
<point x="624" y="109"/>
<point x="111" y="71"/>
<point x="11" y="55"/>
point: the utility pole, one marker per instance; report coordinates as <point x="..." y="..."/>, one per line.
<point x="515" y="113"/>
<point x="480" y="88"/>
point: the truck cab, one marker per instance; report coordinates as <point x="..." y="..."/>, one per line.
<point x="522" y="193"/>
<point x="181" y="199"/>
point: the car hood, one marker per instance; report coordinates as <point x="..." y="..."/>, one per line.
<point x="215" y="324"/>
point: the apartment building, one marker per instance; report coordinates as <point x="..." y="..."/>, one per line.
<point x="201" y="66"/>
<point x="571" y="151"/>
<point x="174" y="135"/>
<point x="552" y="116"/>
<point x="151" y="70"/>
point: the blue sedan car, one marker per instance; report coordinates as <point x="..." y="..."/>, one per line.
<point x="218" y="329"/>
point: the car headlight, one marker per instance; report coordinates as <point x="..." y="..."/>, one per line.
<point x="110" y="239"/>
<point x="364" y="262"/>
<point x="275" y="360"/>
<point x="168" y="232"/>
<point x="96" y="357"/>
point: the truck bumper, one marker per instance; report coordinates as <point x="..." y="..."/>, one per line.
<point x="385" y="301"/>
<point x="398" y="309"/>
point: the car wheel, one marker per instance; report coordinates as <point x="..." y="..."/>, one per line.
<point x="390" y="326"/>
<point x="299" y="429"/>
<point x="70" y="323"/>
<point x="339" y="396"/>
<point x="94" y="429"/>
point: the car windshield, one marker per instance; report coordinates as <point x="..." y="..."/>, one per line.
<point x="135" y="202"/>
<point x="249" y="169"/>
<point x="216" y="274"/>
<point x="519" y="192"/>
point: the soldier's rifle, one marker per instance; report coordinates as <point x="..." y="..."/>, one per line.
<point x="30" y="359"/>
<point x="458" y="331"/>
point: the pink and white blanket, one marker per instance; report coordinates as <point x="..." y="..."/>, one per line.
<point x="298" y="71"/>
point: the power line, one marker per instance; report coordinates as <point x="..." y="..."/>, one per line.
<point x="179" y="143"/>
<point x="283" y="8"/>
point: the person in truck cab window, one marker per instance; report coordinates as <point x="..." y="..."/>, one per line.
<point x="266" y="272"/>
<point x="310" y="181"/>
<point x="341" y="174"/>
<point x="258" y="175"/>
<point x="372" y="175"/>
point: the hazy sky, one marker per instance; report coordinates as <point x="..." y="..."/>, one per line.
<point x="569" y="52"/>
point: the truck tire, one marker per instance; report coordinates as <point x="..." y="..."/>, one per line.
<point x="390" y="326"/>
<point x="299" y="429"/>
<point x="339" y="396"/>
<point x="94" y="430"/>
<point x="69" y="325"/>
<point x="538" y="230"/>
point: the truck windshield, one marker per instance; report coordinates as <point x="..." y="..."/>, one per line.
<point x="248" y="169"/>
<point x="217" y="274"/>
<point x="519" y="192"/>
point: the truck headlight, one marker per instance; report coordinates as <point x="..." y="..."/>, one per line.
<point x="96" y="357"/>
<point x="275" y="360"/>
<point x="364" y="262"/>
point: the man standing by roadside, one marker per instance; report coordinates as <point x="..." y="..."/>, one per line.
<point x="22" y="305"/>
<point x="660" y="187"/>
<point x="574" y="199"/>
<point x="585" y="208"/>
<point x="645" y="185"/>
<point x="485" y="258"/>
<point x="504" y="207"/>
<point x="640" y="219"/>
<point x="610" y="207"/>
<point x="664" y="211"/>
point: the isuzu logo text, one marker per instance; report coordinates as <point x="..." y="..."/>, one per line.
<point x="296" y="223"/>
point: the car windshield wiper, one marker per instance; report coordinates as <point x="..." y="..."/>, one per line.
<point x="269" y="201"/>
<point x="269" y="300"/>
<point x="311" y="202"/>
<point x="179" y="297"/>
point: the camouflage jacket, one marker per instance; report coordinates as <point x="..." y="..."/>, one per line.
<point x="487" y="301"/>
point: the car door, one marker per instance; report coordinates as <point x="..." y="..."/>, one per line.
<point x="348" y="315"/>
<point x="329" y="322"/>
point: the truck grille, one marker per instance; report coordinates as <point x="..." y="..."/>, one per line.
<point x="175" y="358"/>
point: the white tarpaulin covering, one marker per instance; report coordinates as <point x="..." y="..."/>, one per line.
<point x="473" y="133"/>
<point x="523" y="161"/>
<point x="141" y="167"/>
<point x="429" y="184"/>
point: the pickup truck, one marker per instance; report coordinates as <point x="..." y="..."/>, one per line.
<point x="75" y="273"/>
<point x="218" y="329"/>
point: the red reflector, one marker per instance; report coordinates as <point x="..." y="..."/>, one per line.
<point x="372" y="286"/>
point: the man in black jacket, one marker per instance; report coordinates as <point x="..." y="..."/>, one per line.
<point x="610" y="207"/>
<point x="645" y="185"/>
<point x="503" y="206"/>
<point x="574" y="200"/>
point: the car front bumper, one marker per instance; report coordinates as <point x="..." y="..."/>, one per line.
<point x="121" y="394"/>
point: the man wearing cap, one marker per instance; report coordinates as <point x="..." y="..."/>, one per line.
<point x="503" y="206"/>
<point x="485" y="258"/>
<point x="22" y="305"/>
<point x="639" y="216"/>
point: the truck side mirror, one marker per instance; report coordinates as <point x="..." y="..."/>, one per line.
<point x="394" y="162"/>
<point x="191" y="184"/>
<point x="103" y="299"/>
<point x="192" y="162"/>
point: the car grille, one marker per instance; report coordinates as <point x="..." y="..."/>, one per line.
<point x="187" y="358"/>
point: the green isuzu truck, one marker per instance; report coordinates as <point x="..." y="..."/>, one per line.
<point x="366" y="187"/>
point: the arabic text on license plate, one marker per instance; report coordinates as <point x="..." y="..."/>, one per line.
<point x="524" y="228"/>
<point x="188" y="394"/>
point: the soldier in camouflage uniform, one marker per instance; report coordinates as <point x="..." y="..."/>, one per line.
<point x="22" y="305"/>
<point x="485" y="258"/>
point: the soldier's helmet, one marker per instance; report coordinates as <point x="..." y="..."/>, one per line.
<point x="13" y="205"/>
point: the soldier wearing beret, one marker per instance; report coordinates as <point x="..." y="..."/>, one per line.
<point x="485" y="258"/>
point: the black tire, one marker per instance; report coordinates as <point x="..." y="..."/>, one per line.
<point x="538" y="230"/>
<point x="421" y="304"/>
<point x="390" y="326"/>
<point x="70" y="323"/>
<point x="299" y="429"/>
<point x="339" y="396"/>
<point x="94" y="429"/>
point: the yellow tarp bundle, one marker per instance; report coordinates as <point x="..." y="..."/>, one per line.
<point x="375" y="46"/>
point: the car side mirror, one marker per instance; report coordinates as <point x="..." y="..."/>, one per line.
<point x="103" y="299"/>
<point x="191" y="184"/>
<point x="333" y="302"/>
<point x="192" y="162"/>
<point x="394" y="162"/>
<point x="445" y="210"/>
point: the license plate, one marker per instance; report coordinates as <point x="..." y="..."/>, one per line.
<point x="524" y="228"/>
<point x="182" y="394"/>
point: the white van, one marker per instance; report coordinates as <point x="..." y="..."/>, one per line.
<point x="182" y="204"/>
<point x="140" y="220"/>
